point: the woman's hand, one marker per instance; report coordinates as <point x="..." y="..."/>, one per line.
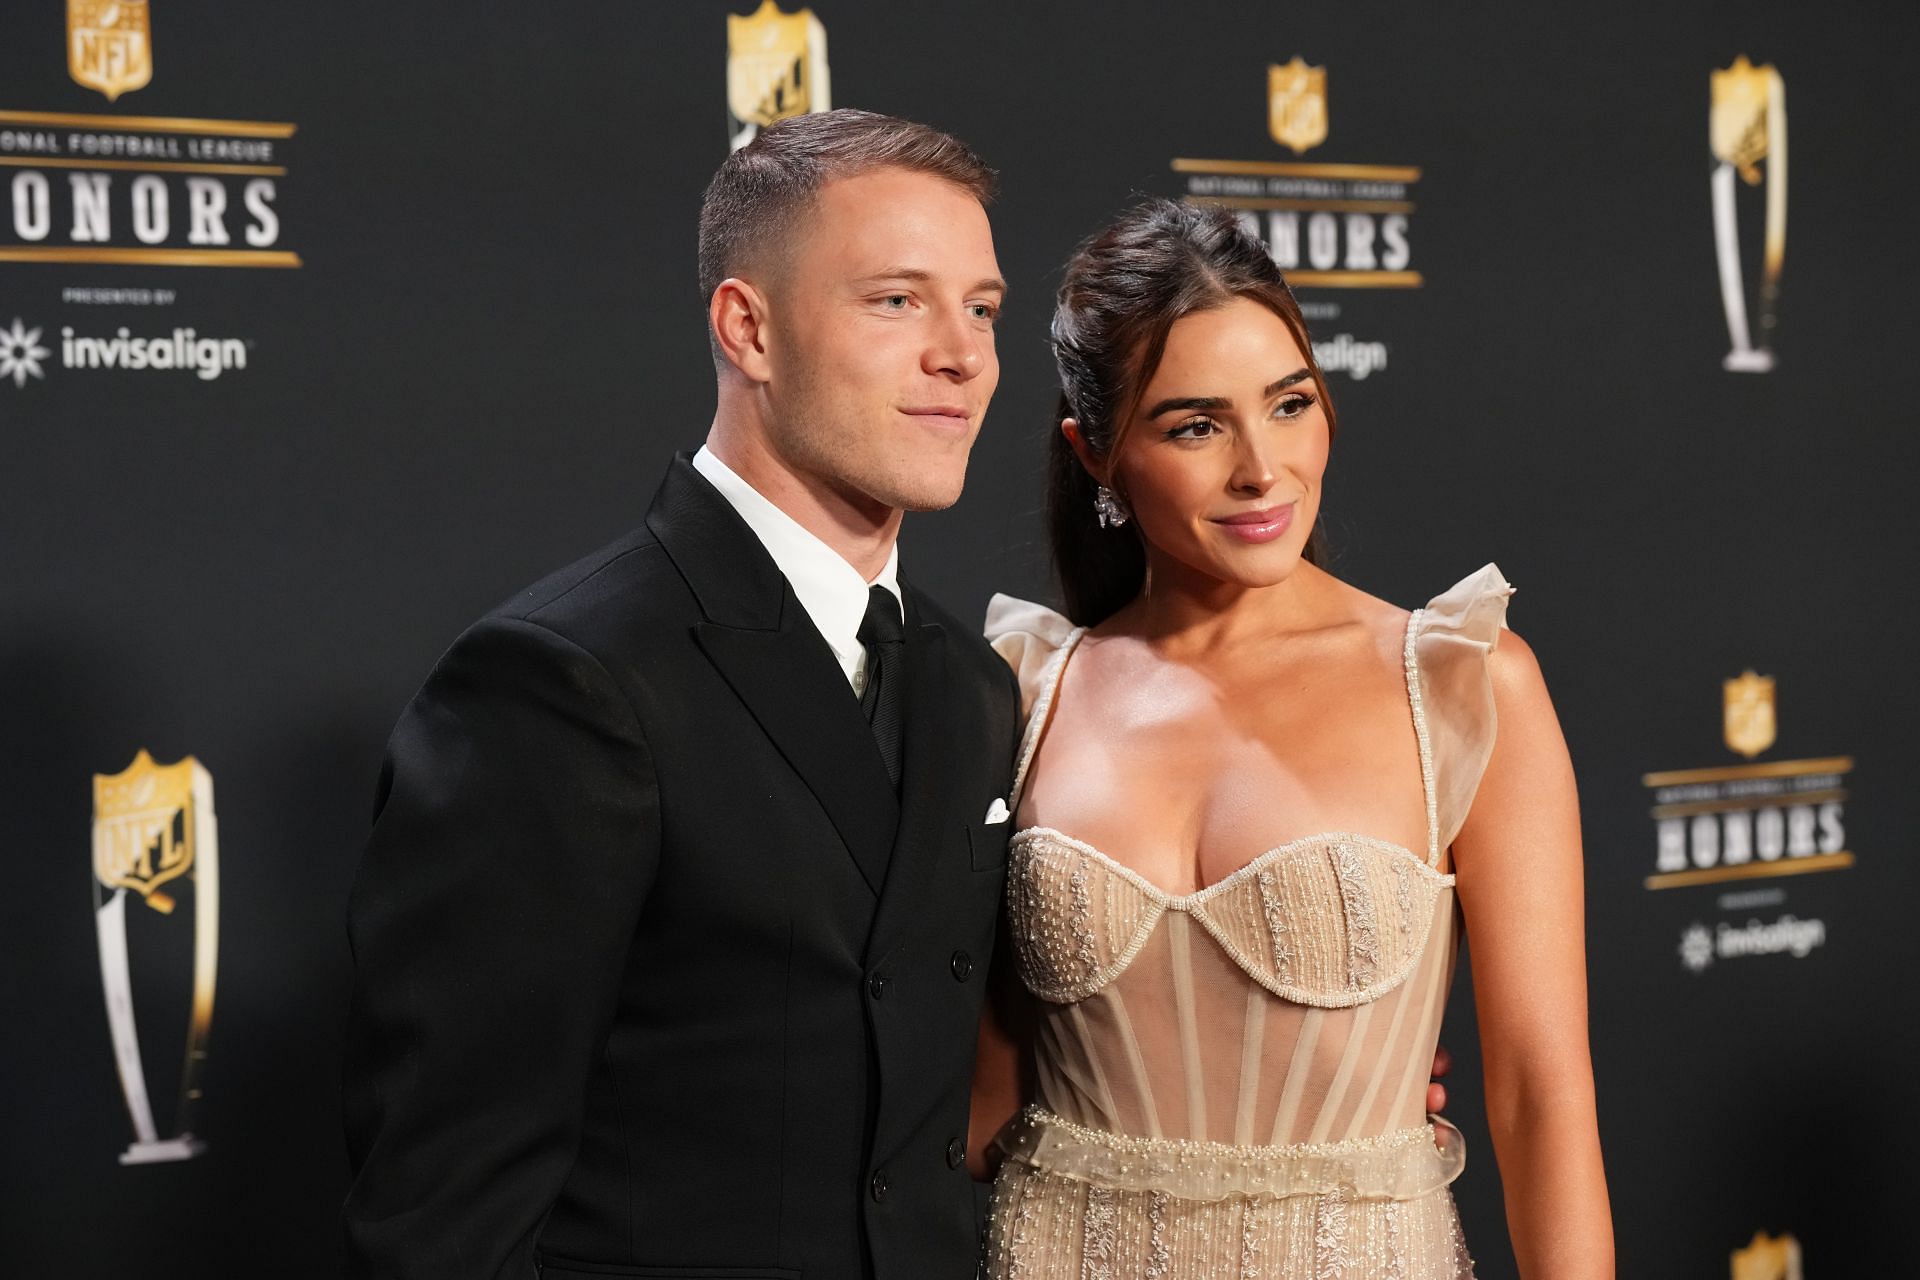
<point x="1437" y="1092"/>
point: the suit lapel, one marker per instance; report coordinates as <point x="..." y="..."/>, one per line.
<point x="927" y="769"/>
<point x="802" y="701"/>
<point x="767" y="649"/>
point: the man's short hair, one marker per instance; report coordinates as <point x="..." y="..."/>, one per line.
<point x="767" y="187"/>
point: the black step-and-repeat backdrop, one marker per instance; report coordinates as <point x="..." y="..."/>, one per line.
<point x="323" y="328"/>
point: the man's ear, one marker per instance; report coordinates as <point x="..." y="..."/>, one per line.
<point x="737" y="313"/>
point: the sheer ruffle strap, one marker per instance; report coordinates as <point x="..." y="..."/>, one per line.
<point x="1035" y="641"/>
<point x="1457" y="631"/>
<point x="1026" y="635"/>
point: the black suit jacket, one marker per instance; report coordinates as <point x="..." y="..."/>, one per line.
<point x="654" y="974"/>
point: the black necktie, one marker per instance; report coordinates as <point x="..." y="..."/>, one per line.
<point x="884" y="697"/>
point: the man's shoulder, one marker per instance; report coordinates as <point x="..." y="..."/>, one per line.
<point x="620" y="590"/>
<point x="964" y="640"/>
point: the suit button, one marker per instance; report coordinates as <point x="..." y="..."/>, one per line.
<point x="877" y="986"/>
<point x="962" y="966"/>
<point x="956" y="1153"/>
<point x="879" y="1185"/>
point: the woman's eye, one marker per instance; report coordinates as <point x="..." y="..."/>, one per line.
<point x="1196" y="429"/>
<point x="1293" y="406"/>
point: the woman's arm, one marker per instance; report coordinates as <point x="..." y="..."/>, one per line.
<point x="1522" y="889"/>
<point x="1000" y="1065"/>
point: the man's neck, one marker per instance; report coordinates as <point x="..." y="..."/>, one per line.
<point x="857" y="529"/>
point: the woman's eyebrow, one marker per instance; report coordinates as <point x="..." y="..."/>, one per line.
<point x="1190" y="402"/>
<point x="1225" y="402"/>
<point x="1274" y="388"/>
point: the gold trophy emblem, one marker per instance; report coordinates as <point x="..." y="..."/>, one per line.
<point x="109" y="45"/>
<point x="1767" y="1258"/>
<point x="1746" y="126"/>
<point x="1297" y="104"/>
<point x="1747" y="713"/>
<point x="776" y="67"/>
<point x="153" y="825"/>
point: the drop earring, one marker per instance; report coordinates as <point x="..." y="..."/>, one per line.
<point x="1110" y="508"/>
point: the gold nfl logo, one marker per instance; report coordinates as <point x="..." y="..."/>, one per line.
<point x="1767" y="1258"/>
<point x="109" y="45"/>
<point x="145" y="828"/>
<point x="1737" y="120"/>
<point x="1297" y="105"/>
<point x="1748" y="717"/>
<point x="776" y="68"/>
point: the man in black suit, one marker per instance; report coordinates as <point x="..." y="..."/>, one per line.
<point x="671" y="937"/>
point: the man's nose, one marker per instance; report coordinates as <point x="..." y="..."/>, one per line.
<point x="954" y="348"/>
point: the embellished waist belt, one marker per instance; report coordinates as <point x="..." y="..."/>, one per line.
<point x="1405" y="1164"/>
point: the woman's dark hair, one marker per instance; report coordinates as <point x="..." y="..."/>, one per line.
<point x="1123" y="291"/>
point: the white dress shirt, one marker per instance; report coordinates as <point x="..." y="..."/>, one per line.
<point x="831" y="591"/>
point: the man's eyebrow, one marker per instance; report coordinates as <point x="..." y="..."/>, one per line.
<point x="914" y="275"/>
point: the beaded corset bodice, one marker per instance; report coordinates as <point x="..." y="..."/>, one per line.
<point x="1296" y="1000"/>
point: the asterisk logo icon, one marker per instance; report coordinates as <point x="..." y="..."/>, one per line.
<point x="20" y="353"/>
<point x="1696" y="948"/>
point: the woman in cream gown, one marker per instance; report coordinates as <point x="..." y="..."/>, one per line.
<point x="1252" y="807"/>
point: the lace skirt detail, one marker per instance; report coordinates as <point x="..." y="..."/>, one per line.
<point x="1072" y="1203"/>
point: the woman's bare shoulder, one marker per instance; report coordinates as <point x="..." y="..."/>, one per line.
<point x="1514" y="670"/>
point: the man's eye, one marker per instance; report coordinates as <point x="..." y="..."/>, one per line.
<point x="896" y="302"/>
<point x="985" y="311"/>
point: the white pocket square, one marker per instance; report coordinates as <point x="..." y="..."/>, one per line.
<point x="997" y="812"/>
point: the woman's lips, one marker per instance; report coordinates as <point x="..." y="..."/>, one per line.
<point x="1258" y="526"/>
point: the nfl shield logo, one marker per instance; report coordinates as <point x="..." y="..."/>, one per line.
<point x="776" y="67"/>
<point x="109" y="45"/>
<point x="1767" y="1258"/>
<point x="1737" y="123"/>
<point x="1297" y="105"/>
<point x="145" y="825"/>
<point x="1748" y="719"/>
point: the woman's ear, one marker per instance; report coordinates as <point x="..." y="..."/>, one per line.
<point x="1070" y="428"/>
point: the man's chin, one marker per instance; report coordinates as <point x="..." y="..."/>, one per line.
<point x="921" y="492"/>
<point x="922" y="497"/>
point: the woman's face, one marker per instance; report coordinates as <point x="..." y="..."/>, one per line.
<point x="1223" y="460"/>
